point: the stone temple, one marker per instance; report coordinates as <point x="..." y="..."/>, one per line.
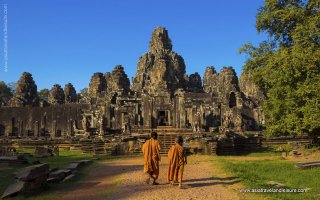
<point x="161" y="97"/>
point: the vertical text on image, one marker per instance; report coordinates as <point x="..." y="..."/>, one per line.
<point x="5" y="37"/>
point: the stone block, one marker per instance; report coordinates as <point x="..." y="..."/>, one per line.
<point x="32" y="172"/>
<point x="13" y="189"/>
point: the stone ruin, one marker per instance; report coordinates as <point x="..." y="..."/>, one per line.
<point x="26" y="93"/>
<point x="70" y="93"/>
<point x="162" y="97"/>
<point x="56" y="95"/>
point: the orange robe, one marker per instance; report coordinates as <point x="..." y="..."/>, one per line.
<point x="151" y="153"/>
<point x="177" y="160"/>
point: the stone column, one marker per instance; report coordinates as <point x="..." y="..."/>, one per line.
<point x="70" y="128"/>
<point x="36" y="129"/>
<point x="54" y="129"/>
<point x="169" y="118"/>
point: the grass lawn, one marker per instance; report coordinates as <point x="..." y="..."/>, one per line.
<point x="255" y="170"/>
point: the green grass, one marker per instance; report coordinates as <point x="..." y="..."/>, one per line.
<point x="256" y="173"/>
<point x="6" y="177"/>
<point x="64" y="158"/>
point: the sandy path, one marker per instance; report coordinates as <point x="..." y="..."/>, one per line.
<point x="201" y="181"/>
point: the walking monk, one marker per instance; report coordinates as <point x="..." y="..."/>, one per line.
<point x="151" y="153"/>
<point x="177" y="160"/>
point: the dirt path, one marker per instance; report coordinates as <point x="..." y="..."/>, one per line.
<point x="124" y="179"/>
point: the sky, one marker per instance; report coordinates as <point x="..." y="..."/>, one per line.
<point x="61" y="41"/>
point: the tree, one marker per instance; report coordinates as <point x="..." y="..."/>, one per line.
<point x="43" y="94"/>
<point x="12" y="86"/>
<point x="82" y="95"/>
<point x="83" y="92"/>
<point x="5" y="93"/>
<point x="287" y="66"/>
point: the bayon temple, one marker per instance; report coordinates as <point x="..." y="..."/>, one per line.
<point x="161" y="97"/>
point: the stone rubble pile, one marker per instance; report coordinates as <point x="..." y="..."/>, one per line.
<point x="34" y="176"/>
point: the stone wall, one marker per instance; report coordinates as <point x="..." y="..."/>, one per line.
<point x="51" y="121"/>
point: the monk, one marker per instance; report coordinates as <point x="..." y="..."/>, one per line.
<point x="151" y="153"/>
<point x="177" y="160"/>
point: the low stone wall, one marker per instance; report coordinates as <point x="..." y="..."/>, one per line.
<point x="195" y="144"/>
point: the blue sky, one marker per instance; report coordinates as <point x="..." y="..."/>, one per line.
<point x="61" y="41"/>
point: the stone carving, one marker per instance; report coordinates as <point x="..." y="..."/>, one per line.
<point x="70" y="93"/>
<point x="221" y="84"/>
<point x="195" y="83"/>
<point x="196" y="123"/>
<point x="126" y="126"/>
<point x="250" y="89"/>
<point x="26" y="92"/>
<point x="56" y="95"/>
<point x="102" y="125"/>
<point x="97" y="85"/>
<point x="118" y="80"/>
<point x="160" y="69"/>
<point x="225" y="87"/>
<point x="208" y="79"/>
<point x="85" y="123"/>
<point x="227" y="121"/>
<point x="160" y="40"/>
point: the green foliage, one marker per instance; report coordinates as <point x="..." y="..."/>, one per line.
<point x="43" y="94"/>
<point x="83" y="91"/>
<point x="287" y="66"/>
<point x="5" y="93"/>
<point x="12" y="86"/>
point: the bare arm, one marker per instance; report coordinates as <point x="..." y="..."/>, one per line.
<point x="158" y="147"/>
<point x="185" y="157"/>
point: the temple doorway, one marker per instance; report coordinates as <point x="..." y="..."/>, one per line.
<point x="163" y="118"/>
<point x="232" y="100"/>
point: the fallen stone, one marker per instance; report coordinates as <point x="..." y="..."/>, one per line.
<point x="53" y="169"/>
<point x="68" y="177"/>
<point x="41" y="180"/>
<point x="53" y="180"/>
<point x="59" y="174"/>
<point x="82" y="162"/>
<point x="13" y="189"/>
<point x="32" y="172"/>
<point x="67" y="172"/>
<point x="309" y="164"/>
<point x="73" y="166"/>
<point x="8" y="158"/>
<point x="276" y="184"/>
<point x="41" y="152"/>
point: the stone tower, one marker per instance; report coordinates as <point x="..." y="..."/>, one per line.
<point x="160" y="69"/>
<point x="26" y="92"/>
<point x="70" y="93"/>
<point x="56" y="95"/>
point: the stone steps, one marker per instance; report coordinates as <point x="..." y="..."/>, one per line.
<point x="166" y="141"/>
